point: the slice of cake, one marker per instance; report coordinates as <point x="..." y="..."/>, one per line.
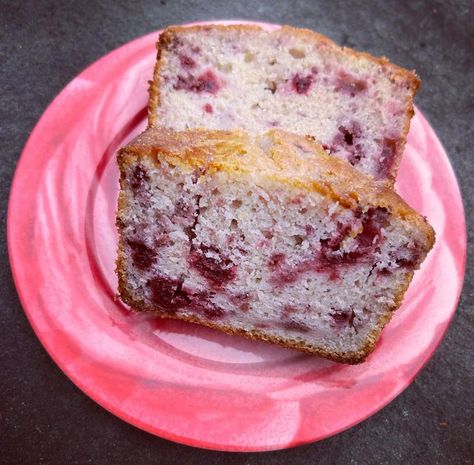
<point x="243" y="77"/>
<point x="264" y="236"/>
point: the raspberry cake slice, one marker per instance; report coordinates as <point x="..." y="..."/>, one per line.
<point x="243" y="77"/>
<point x="264" y="236"/>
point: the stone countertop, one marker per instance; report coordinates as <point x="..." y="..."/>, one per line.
<point x="44" y="418"/>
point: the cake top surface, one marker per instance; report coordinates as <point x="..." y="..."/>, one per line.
<point x="276" y="156"/>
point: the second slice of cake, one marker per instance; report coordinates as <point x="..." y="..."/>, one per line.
<point x="264" y="236"/>
<point x="244" y="77"/>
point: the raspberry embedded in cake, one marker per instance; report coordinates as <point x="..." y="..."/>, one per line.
<point x="167" y="294"/>
<point x="348" y="142"/>
<point x="207" y="82"/>
<point x="350" y="85"/>
<point x="186" y="61"/>
<point x="142" y="255"/>
<point x="202" y="305"/>
<point x="334" y="262"/>
<point x="213" y="265"/>
<point x="139" y="177"/>
<point x="276" y="261"/>
<point x="302" y="84"/>
<point x="329" y="256"/>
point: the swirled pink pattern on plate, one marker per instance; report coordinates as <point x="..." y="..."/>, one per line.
<point x="177" y="380"/>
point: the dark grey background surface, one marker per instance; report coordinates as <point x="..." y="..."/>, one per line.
<point x="44" y="418"/>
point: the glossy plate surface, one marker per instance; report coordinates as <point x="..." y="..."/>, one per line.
<point x="178" y="380"/>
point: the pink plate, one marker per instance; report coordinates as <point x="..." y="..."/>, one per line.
<point x="178" y="380"/>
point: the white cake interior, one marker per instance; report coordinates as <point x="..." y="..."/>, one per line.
<point x="249" y="252"/>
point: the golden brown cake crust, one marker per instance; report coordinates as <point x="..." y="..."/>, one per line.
<point x="235" y="151"/>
